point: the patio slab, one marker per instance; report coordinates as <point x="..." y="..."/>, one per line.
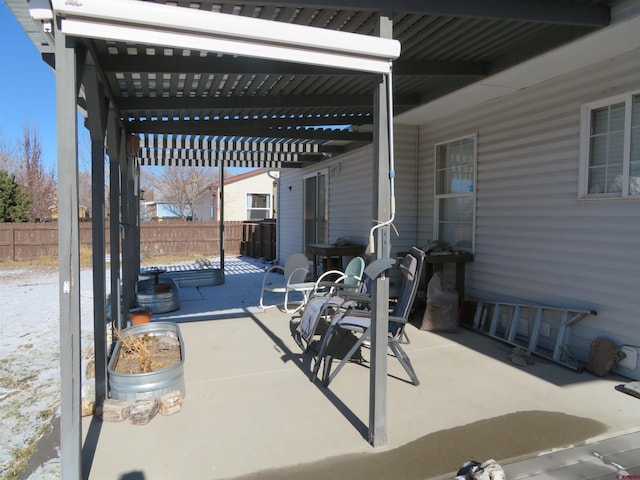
<point x="251" y="411"/>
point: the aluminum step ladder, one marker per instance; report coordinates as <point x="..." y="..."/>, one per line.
<point x="541" y="330"/>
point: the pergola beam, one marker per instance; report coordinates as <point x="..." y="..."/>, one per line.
<point x="266" y="124"/>
<point x="523" y="10"/>
<point x="212" y="157"/>
<point x="233" y="152"/>
<point x="195" y="143"/>
<point x="198" y="127"/>
<point x="235" y="161"/>
<point x="133" y="104"/>
<point x="148" y="23"/>
<point x="254" y="66"/>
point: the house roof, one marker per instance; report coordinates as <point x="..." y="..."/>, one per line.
<point x="239" y="177"/>
<point x="198" y="108"/>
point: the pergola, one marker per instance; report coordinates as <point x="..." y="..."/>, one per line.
<point x="253" y="84"/>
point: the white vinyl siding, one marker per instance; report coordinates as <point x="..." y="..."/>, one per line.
<point x="236" y="190"/>
<point x="350" y="187"/>
<point x="289" y="216"/>
<point x="235" y="195"/>
<point x="535" y="240"/>
<point x="407" y="185"/>
<point x="351" y="196"/>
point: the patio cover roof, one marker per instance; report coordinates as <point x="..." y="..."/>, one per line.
<point x="194" y="106"/>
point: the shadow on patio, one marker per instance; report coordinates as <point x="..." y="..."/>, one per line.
<point x="250" y="410"/>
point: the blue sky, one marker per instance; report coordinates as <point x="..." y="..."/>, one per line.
<point x="27" y="89"/>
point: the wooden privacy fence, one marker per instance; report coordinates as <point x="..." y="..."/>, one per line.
<point x="29" y="241"/>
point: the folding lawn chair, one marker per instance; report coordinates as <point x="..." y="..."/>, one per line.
<point x="326" y="296"/>
<point x="358" y="321"/>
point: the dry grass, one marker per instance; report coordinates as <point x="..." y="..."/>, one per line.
<point x="137" y="346"/>
<point x="85" y="261"/>
<point x="22" y="455"/>
<point x="146" y="353"/>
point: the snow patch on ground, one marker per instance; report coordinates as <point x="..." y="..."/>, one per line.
<point x="30" y="358"/>
<point x="30" y="346"/>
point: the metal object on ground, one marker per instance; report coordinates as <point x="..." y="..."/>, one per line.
<point x="197" y="278"/>
<point x="129" y="386"/>
<point x="158" y="302"/>
<point x="541" y="330"/>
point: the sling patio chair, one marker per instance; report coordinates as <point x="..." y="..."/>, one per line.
<point x="327" y="295"/>
<point x="295" y="271"/>
<point x="357" y="320"/>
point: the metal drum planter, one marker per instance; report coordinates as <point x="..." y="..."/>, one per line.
<point x="158" y="302"/>
<point x="206" y="277"/>
<point x="127" y="386"/>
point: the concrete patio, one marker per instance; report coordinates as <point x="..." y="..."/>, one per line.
<point x="251" y="411"/>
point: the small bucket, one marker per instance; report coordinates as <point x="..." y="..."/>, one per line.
<point x="138" y="316"/>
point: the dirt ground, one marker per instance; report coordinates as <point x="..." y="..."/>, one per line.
<point x="146" y="353"/>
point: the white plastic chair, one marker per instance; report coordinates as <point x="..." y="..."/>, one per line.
<point x="333" y="280"/>
<point x="295" y="272"/>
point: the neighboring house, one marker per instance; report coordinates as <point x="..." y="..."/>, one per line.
<point x="83" y="212"/>
<point x="536" y="170"/>
<point x="159" y="211"/>
<point x="247" y="196"/>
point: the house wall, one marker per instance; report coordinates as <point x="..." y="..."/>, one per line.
<point x="351" y="197"/>
<point x="235" y="195"/>
<point x="535" y="240"/>
<point x="235" y="198"/>
<point x="624" y="9"/>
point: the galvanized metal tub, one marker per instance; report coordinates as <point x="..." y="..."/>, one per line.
<point x="206" y="277"/>
<point x="128" y="387"/>
<point x="158" y="302"/>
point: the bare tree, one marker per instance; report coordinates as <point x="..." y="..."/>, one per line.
<point x="84" y="170"/>
<point x="7" y="157"/>
<point x="84" y="189"/>
<point x="178" y="186"/>
<point x="40" y="184"/>
<point x="148" y="183"/>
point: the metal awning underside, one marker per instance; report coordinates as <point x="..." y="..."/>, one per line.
<point x="200" y="108"/>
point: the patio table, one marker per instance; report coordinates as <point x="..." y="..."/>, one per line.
<point x="434" y="263"/>
<point x="305" y="288"/>
<point x="333" y="255"/>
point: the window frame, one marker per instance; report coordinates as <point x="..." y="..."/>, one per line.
<point x="585" y="150"/>
<point x="268" y="210"/>
<point x="473" y="194"/>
